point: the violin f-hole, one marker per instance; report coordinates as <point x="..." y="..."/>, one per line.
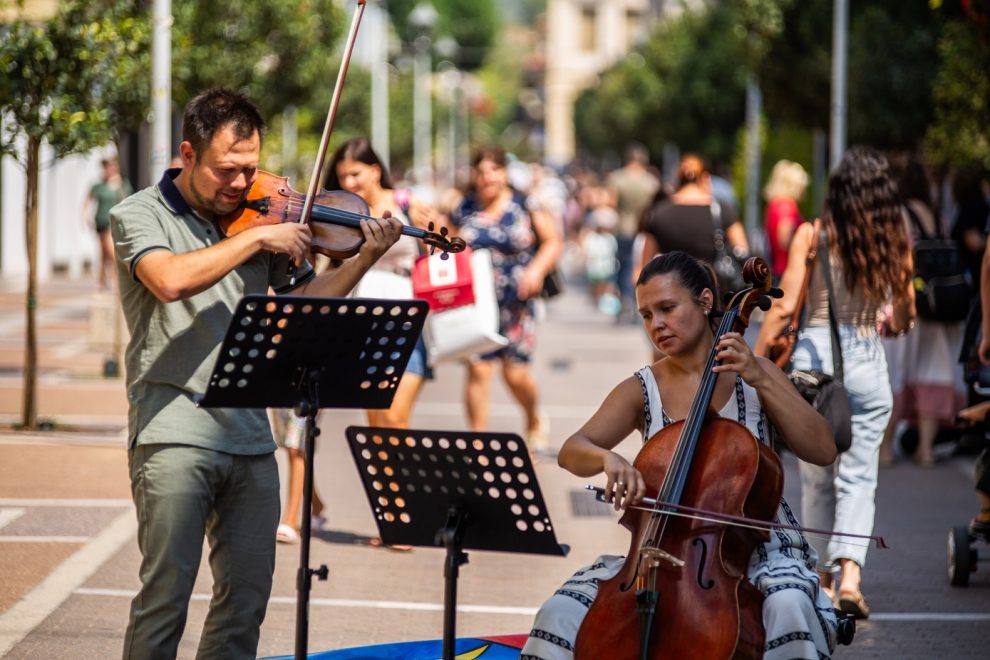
<point x="704" y="584"/>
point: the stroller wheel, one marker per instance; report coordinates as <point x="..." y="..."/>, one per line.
<point x="960" y="555"/>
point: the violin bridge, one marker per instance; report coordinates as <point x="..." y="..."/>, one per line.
<point x="654" y="556"/>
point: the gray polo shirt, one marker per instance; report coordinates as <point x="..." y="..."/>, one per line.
<point x="174" y="346"/>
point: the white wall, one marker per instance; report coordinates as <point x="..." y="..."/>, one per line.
<point x="64" y="238"/>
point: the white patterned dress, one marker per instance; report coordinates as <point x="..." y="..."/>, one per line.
<point x="797" y="615"/>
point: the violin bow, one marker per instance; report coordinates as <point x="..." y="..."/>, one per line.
<point x="345" y="62"/>
<point x="731" y="520"/>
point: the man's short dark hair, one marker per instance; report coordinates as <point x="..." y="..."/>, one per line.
<point x="215" y="109"/>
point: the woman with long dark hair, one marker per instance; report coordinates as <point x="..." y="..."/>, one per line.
<point x="870" y="266"/>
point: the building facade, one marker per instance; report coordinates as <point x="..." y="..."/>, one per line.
<point x="585" y="37"/>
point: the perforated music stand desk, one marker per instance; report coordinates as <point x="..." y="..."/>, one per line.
<point x="455" y="489"/>
<point x="309" y="353"/>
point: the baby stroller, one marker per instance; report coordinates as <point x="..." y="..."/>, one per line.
<point x="961" y="549"/>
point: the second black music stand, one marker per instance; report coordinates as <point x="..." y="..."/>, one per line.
<point x="455" y="489"/>
<point x="310" y="353"/>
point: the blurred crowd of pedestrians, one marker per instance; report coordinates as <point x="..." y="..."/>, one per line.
<point x="913" y="381"/>
<point x="908" y="377"/>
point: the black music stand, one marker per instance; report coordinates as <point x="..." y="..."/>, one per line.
<point x="456" y="489"/>
<point x="310" y="353"/>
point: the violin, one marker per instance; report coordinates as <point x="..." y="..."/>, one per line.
<point x="683" y="588"/>
<point x="335" y="218"/>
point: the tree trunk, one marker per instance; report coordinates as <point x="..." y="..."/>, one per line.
<point x="30" y="419"/>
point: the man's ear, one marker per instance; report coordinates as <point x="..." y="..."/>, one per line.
<point x="187" y="154"/>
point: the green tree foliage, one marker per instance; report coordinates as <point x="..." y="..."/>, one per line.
<point x="960" y="133"/>
<point x="891" y="67"/>
<point x="69" y="82"/>
<point x="684" y="86"/>
<point x="75" y="80"/>
<point x="473" y="24"/>
<point x="278" y="53"/>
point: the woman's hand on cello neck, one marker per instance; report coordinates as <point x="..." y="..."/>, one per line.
<point x="734" y="355"/>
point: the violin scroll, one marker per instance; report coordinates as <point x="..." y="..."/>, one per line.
<point x="439" y="240"/>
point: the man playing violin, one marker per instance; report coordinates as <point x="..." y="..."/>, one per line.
<point x="678" y="298"/>
<point x="199" y="472"/>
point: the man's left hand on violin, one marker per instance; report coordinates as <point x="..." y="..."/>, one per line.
<point x="379" y="235"/>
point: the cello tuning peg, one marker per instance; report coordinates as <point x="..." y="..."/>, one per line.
<point x="776" y="293"/>
<point x="764" y="302"/>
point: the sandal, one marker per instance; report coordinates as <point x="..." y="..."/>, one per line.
<point x="376" y="542"/>
<point x="853" y="603"/>
<point x="286" y="534"/>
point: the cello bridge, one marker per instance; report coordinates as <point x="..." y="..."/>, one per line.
<point x="654" y="556"/>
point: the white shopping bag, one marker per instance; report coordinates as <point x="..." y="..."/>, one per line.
<point x="460" y="332"/>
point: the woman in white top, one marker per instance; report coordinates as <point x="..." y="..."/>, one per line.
<point x="356" y="168"/>
<point x="678" y="299"/>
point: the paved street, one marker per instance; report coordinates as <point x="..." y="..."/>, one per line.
<point x="69" y="559"/>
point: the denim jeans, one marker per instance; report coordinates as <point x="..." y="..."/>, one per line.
<point x="181" y="494"/>
<point x="841" y="496"/>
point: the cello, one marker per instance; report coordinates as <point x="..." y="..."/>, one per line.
<point x="683" y="585"/>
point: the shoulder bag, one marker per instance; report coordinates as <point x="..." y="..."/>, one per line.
<point x="825" y="392"/>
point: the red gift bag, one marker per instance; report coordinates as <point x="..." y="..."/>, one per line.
<point x="444" y="283"/>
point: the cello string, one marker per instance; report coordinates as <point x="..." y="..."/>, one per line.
<point x="654" y="526"/>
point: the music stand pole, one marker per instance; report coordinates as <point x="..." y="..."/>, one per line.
<point x="275" y="355"/>
<point x="450" y="536"/>
<point x="307" y="408"/>
<point x="456" y="489"/>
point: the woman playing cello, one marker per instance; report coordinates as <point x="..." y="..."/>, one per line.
<point x="677" y="299"/>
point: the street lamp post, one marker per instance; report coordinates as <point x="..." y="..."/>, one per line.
<point x="450" y="79"/>
<point x="423" y="18"/>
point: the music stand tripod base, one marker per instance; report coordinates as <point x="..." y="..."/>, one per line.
<point x="309" y="353"/>
<point x="455" y="489"/>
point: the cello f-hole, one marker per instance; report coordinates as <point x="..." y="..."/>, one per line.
<point x="704" y="584"/>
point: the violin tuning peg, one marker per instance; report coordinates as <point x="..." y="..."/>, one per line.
<point x="444" y="231"/>
<point x="429" y="226"/>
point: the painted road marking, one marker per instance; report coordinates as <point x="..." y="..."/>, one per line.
<point x="8" y="516"/>
<point x="27" y="613"/>
<point x="523" y="611"/>
<point x="29" y="502"/>
<point x="43" y="539"/>
<point x="339" y="602"/>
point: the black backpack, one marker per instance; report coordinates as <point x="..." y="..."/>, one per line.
<point x="942" y="286"/>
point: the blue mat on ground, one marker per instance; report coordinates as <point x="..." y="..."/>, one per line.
<point x="505" y="647"/>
